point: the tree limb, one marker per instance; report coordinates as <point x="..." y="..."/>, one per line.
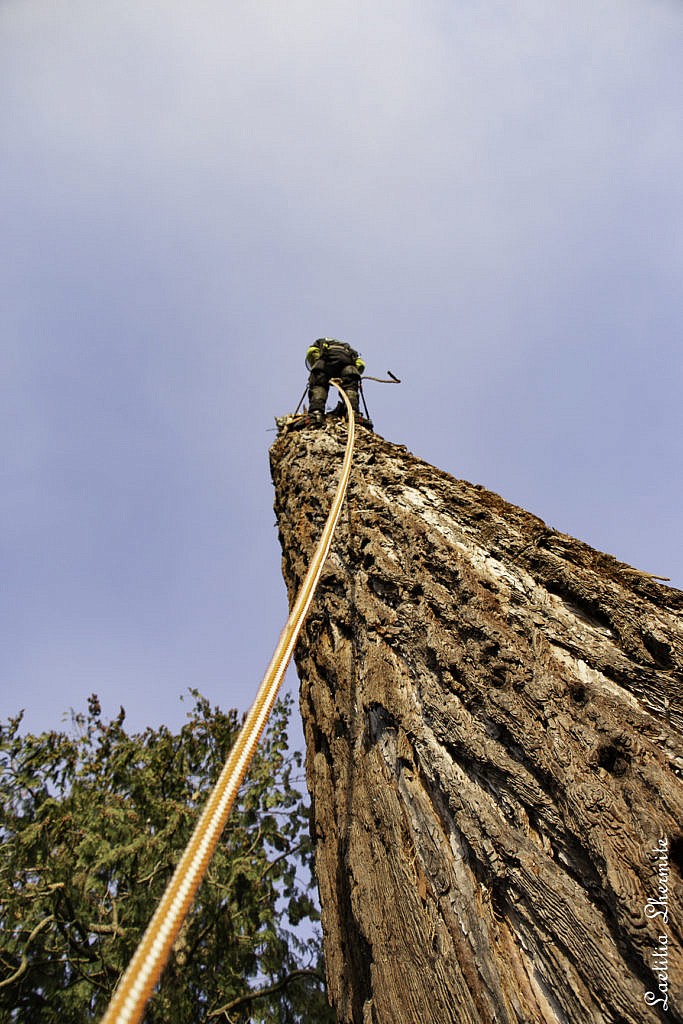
<point x="21" y="969"/>
<point x="282" y="856"/>
<point x="259" y="993"/>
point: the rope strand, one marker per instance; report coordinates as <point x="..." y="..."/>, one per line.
<point x="144" y="970"/>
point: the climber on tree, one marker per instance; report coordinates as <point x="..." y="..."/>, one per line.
<point x="328" y="358"/>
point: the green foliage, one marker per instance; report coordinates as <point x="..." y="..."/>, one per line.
<point x="93" y="823"/>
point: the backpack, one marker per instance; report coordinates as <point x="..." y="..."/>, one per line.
<point x="338" y="350"/>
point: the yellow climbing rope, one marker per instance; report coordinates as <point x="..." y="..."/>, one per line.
<point x="135" y="987"/>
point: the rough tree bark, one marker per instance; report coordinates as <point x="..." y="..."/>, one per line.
<point x="493" y="721"/>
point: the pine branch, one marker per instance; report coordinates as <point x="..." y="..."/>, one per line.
<point x="260" y="993"/>
<point x="21" y="969"/>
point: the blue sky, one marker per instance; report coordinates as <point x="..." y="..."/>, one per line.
<point x="484" y="198"/>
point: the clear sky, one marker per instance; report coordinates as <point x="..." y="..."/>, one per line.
<point x="484" y="197"/>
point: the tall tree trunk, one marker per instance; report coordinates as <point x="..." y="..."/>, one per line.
<point x="493" y="721"/>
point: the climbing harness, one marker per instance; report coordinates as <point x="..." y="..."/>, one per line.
<point x="135" y="987"/>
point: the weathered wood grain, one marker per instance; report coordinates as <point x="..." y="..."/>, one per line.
<point x="493" y="716"/>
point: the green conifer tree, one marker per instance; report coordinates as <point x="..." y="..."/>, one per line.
<point x="94" y="821"/>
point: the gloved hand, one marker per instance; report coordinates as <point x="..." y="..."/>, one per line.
<point x="312" y="356"/>
<point x="360" y="365"/>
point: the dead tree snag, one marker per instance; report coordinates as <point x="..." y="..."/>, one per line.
<point x="493" y="718"/>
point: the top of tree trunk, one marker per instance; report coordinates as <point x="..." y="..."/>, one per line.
<point x="493" y="716"/>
